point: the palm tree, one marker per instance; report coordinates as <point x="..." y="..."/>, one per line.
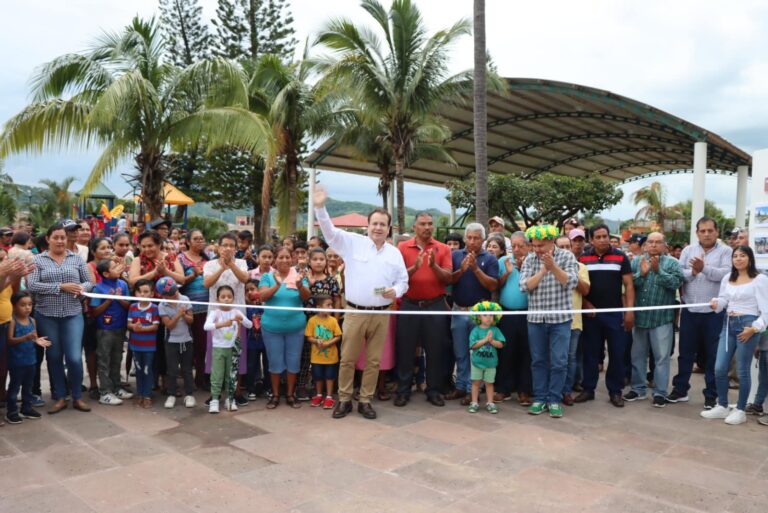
<point x="654" y="198"/>
<point x="397" y="82"/>
<point x="480" y="116"/>
<point x="9" y="191"/>
<point x="58" y="195"/>
<point x="294" y="110"/>
<point x="123" y="96"/>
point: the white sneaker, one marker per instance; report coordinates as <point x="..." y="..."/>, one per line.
<point x="189" y="401"/>
<point x="736" y="417"/>
<point x="170" y="402"/>
<point x="213" y="407"/>
<point x="124" y="394"/>
<point x="110" y="399"/>
<point x="230" y="405"/>
<point x="718" y="412"/>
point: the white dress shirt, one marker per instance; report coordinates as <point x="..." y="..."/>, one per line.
<point x="705" y="285"/>
<point x="366" y="268"/>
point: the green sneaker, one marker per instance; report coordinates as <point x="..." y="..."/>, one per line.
<point x="537" y="408"/>
<point x="491" y="407"/>
<point x="473" y="407"/>
<point x="555" y="410"/>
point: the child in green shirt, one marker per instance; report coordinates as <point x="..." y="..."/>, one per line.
<point x="484" y="340"/>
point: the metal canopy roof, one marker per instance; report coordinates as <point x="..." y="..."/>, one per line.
<point x="561" y="128"/>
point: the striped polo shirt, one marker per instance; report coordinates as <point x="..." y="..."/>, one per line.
<point x="605" y="277"/>
<point x="143" y="341"/>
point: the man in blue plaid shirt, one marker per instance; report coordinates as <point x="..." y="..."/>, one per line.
<point x="548" y="275"/>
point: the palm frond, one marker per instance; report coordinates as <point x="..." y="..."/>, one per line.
<point x="69" y="74"/>
<point x="224" y="126"/>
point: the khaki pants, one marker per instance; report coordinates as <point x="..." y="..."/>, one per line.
<point x="361" y="329"/>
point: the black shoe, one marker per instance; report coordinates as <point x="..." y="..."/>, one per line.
<point x="659" y="401"/>
<point x="710" y="402"/>
<point x="302" y="395"/>
<point x="436" y="400"/>
<point x="677" y="397"/>
<point x="13" y="418"/>
<point x="240" y="400"/>
<point x="754" y="409"/>
<point x="401" y="400"/>
<point x="343" y="408"/>
<point x="617" y="400"/>
<point x="632" y="396"/>
<point x="30" y="414"/>
<point x="94" y="394"/>
<point x="366" y="410"/>
<point x="584" y="397"/>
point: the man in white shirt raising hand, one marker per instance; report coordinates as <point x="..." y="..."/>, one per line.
<point x="374" y="276"/>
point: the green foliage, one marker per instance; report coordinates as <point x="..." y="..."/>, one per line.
<point x="124" y="97"/>
<point x="211" y="228"/>
<point x="724" y="223"/>
<point x="42" y="215"/>
<point x="185" y="31"/>
<point x="544" y="198"/>
<point x="59" y="196"/>
<point x="9" y="193"/>
<point x="249" y="29"/>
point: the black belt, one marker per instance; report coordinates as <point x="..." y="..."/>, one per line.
<point x="358" y="307"/>
<point x="424" y="303"/>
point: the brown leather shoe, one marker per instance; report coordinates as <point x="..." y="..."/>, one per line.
<point x="524" y="399"/>
<point x="499" y="397"/>
<point x="466" y="400"/>
<point x="81" y="405"/>
<point x="59" y="405"/>
<point x="617" y="400"/>
<point x="567" y="400"/>
<point x="584" y="397"/>
<point x="455" y="394"/>
<point x="366" y="410"/>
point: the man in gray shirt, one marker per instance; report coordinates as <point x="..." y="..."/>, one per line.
<point x="704" y="266"/>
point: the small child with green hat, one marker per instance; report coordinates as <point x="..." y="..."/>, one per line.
<point x="484" y="340"/>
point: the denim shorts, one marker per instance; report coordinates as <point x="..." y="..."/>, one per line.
<point x="485" y="375"/>
<point x="324" y="371"/>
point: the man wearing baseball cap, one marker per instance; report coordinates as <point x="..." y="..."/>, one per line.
<point x="5" y="238"/>
<point x="578" y="241"/>
<point x="636" y="241"/>
<point x="496" y="225"/>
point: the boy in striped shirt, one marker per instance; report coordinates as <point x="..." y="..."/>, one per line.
<point x="143" y="321"/>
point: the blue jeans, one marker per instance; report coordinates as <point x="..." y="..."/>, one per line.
<point x="762" y="379"/>
<point x="744" y="352"/>
<point x="461" y="326"/>
<point x="659" y="339"/>
<point x="145" y="375"/>
<point x="21" y="378"/>
<point x="549" y="345"/>
<point x="66" y="337"/>
<point x="573" y="347"/>
<point x="597" y="329"/>
<point x="258" y="364"/>
<point x="284" y="350"/>
<point x="695" y="328"/>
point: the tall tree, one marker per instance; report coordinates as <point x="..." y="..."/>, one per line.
<point x="59" y="196"/>
<point x="122" y="96"/>
<point x="480" y="115"/>
<point x="231" y="29"/>
<point x="185" y="30"/>
<point x="653" y="197"/>
<point x="249" y="29"/>
<point x="398" y="81"/>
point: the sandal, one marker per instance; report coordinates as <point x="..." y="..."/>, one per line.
<point x="292" y="402"/>
<point x="273" y="402"/>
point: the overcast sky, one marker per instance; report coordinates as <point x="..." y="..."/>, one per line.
<point x="701" y="60"/>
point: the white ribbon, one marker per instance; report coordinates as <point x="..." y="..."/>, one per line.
<point x="396" y="312"/>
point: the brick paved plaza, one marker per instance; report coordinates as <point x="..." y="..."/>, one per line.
<point x="418" y="458"/>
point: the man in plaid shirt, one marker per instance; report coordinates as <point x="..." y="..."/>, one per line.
<point x="548" y="275"/>
<point x="656" y="277"/>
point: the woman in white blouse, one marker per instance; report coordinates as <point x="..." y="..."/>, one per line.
<point x="744" y="296"/>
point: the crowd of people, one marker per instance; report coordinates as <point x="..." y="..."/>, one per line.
<point x="491" y="312"/>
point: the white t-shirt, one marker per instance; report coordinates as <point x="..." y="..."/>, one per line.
<point x="227" y="278"/>
<point x="225" y="337"/>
